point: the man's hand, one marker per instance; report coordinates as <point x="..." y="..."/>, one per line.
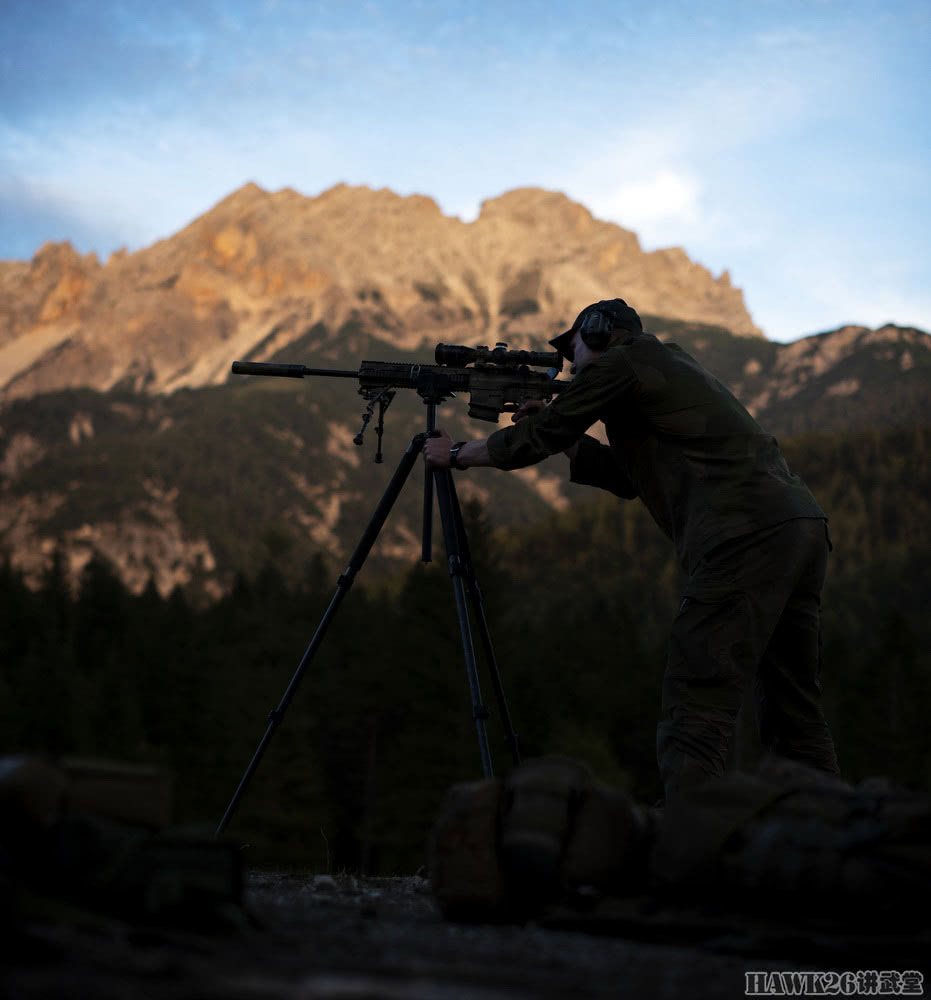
<point x="436" y="450"/>
<point x="527" y="408"/>
<point x="531" y="406"/>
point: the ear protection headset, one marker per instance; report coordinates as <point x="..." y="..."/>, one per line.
<point x="596" y="324"/>
<point x="596" y="330"/>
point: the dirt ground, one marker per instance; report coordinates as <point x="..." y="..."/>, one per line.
<point x="312" y="937"/>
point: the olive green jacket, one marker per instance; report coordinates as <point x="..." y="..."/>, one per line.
<point x="678" y="439"/>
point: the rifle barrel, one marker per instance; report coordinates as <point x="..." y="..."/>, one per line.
<point x="287" y="371"/>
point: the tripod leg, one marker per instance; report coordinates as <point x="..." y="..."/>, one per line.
<point x="426" y="554"/>
<point x="452" y="537"/>
<point x="345" y="582"/>
<point x="478" y="610"/>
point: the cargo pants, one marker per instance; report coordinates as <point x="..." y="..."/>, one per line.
<point x="747" y="633"/>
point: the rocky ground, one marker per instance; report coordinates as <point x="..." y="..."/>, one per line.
<point x="320" y="938"/>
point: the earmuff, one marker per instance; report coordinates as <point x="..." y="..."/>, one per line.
<point x="596" y="330"/>
<point x="597" y="323"/>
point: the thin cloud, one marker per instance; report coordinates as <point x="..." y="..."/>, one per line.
<point x="656" y="202"/>
<point x="745" y="133"/>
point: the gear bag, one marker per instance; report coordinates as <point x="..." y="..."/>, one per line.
<point x="790" y="836"/>
<point x="97" y="834"/>
<point x="549" y="833"/>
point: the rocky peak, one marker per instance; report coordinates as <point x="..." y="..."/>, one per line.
<point x="261" y="268"/>
<point x="45" y="289"/>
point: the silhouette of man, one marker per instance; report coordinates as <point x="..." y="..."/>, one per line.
<point x="749" y="536"/>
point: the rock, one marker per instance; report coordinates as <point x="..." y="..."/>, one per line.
<point x="260" y="269"/>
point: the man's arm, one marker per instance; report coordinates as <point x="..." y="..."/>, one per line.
<point x="595" y="464"/>
<point x="601" y="387"/>
<point x="591" y="462"/>
<point x="472" y="454"/>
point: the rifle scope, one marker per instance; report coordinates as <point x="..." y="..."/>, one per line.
<point x="458" y="357"/>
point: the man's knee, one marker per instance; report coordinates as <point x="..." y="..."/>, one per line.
<point x="692" y="746"/>
<point x="808" y="743"/>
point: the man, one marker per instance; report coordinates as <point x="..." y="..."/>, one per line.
<point x="750" y="537"/>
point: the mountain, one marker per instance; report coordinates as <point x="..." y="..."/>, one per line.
<point x="848" y="379"/>
<point x="123" y="434"/>
<point x="258" y="271"/>
<point x="189" y="487"/>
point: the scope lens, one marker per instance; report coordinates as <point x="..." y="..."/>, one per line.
<point x="453" y="355"/>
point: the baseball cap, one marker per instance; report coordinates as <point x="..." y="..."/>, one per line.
<point x="616" y="313"/>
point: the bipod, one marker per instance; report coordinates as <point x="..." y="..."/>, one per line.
<point x="466" y="592"/>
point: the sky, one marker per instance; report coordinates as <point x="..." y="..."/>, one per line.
<point x="785" y="141"/>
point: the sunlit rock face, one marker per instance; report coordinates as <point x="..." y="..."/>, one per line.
<point x="260" y="269"/>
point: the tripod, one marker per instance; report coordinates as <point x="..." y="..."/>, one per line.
<point x="465" y="591"/>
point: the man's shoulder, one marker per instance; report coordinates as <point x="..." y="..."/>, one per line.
<point x="645" y="347"/>
<point x="648" y="343"/>
<point x="625" y="361"/>
<point x="629" y="350"/>
<point x="645" y="352"/>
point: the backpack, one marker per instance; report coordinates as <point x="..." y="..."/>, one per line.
<point x="503" y="849"/>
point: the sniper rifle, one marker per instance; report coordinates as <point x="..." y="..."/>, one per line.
<point x="498" y="380"/>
